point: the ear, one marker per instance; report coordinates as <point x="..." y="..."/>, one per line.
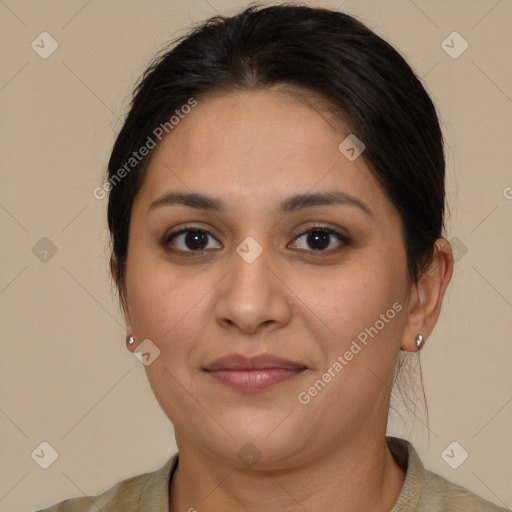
<point x="427" y="295"/>
<point x="122" y="293"/>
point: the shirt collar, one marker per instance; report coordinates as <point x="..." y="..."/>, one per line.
<point x="155" y="494"/>
<point x="412" y="489"/>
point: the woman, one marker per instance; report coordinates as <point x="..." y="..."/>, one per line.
<point x="276" y="200"/>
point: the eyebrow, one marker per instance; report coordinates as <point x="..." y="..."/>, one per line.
<point x="291" y="204"/>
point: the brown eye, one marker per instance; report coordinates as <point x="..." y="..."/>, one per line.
<point x="190" y="240"/>
<point x="322" y="239"/>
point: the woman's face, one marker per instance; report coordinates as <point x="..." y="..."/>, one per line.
<point x="253" y="277"/>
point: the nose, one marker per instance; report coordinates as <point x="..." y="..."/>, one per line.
<point x="252" y="298"/>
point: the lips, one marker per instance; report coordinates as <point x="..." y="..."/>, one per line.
<point x="263" y="361"/>
<point x="251" y="374"/>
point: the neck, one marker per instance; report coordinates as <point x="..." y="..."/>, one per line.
<point x="356" y="476"/>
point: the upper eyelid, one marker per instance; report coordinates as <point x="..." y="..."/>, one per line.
<point x="207" y="230"/>
<point x="319" y="227"/>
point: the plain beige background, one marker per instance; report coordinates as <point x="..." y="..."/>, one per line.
<point x="66" y="376"/>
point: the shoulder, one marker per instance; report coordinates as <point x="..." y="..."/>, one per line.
<point x="449" y="496"/>
<point x="124" y="495"/>
<point x="129" y="495"/>
<point x="425" y="491"/>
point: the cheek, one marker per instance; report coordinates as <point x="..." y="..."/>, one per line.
<point x="355" y="346"/>
<point x="167" y="305"/>
<point x="352" y="299"/>
<point x="363" y="317"/>
<point x="161" y="302"/>
<point x="363" y="309"/>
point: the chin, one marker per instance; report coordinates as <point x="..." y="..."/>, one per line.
<point x="260" y="442"/>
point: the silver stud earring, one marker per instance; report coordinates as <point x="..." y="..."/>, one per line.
<point x="130" y="340"/>
<point x="419" y="341"/>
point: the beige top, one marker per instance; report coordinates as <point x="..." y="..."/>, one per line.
<point x="422" y="490"/>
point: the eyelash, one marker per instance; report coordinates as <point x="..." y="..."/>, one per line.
<point x="166" y="242"/>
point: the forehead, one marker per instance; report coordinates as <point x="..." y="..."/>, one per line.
<point x="267" y="141"/>
<point x="266" y="123"/>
